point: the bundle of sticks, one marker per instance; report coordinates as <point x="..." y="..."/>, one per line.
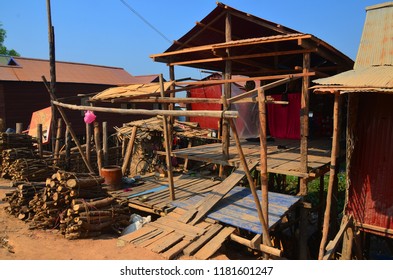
<point x="16" y="140"/>
<point x="30" y="169"/>
<point x="11" y="155"/>
<point x="22" y="199"/>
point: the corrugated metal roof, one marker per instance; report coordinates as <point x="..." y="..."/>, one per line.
<point x="31" y="70"/>
<point x="376" y="43"/>
<point x="373" y="77"/>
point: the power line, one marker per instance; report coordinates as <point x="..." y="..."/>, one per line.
<point x="145" y="21"/>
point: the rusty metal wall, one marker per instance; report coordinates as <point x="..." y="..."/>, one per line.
<point x="370" y="194"/>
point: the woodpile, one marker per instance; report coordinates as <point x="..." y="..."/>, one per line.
<point x="30" y="169"/>
<point x="16" y="140"/>
<point x="75" y="203"/>
<point x="11" y="155"/>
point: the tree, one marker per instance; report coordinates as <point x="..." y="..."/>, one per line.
<point x="3" y="49"/>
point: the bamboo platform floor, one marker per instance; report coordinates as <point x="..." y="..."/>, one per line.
<point x="283" y="155"/>
<point x="153" y="195"/>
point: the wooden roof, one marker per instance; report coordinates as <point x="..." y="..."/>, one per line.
<point x="258" y="47"/>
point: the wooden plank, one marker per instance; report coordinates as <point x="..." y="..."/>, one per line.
<point x="217" y="193"/>
<point x="152" y="240"/>
<point x="214" y="244"/>
<point x="147" y="237"/>
<point x="169" y="240"/>
<point x="175" y="250"/>
<point x="196" y="245"/>
<point x="136" y="234"/>
<point x="181" y="226"/>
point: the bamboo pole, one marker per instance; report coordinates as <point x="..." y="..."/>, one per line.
<point x="167" y="147"/>
<point x="335" y="147"/>
<point x="175" y="113"/>
<point x="265" y="229"/>
<point x="128" y="153"/>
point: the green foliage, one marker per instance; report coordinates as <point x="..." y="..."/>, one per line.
<point x="3" y="49"/>
<point x="313" y="189"/>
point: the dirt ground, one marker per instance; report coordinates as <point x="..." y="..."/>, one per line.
<point x="18" y="242"/>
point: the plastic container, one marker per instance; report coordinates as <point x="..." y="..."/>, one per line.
<point x="113" y="176"/>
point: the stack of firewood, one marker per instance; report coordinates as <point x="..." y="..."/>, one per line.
<point x="11" y="155"/>
<point x="16" y="140"/>
<point x="23" y="198"/>
<point x="30" y="169"/>
<point x="76" y="203"/>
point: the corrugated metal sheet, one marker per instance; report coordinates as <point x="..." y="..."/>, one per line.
<point x="376" y="44"/>
<point x="31" y="70"/>
<point x="371" y="177"/>
<point x="373" y="77"/>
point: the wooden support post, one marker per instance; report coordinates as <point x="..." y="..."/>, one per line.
<point x="304" y="123"/>
<point x="105" y="142"/>
<point x="123" y="145"/>
<point x="264" y="223"/>
<point x="226" y="95"/>
<point x="303" y="236"/>
<point x="58" y="138"/>
<point x="19" y="127"/>
<point x="68" y="124"/>
<point x="321" y="196"/>
<point x="88" y="142"/>
<point x="263" y="151"/>
<point x="130" y="148"/>
<point x="39" y="140"/>
<point x="335" y="148"/>
<point x="67" y="148"/>
<point x="167" y="147"/>
<point x="346" y="253"/>
<point x="97" y="141"/>
<point x="185" y="167"/>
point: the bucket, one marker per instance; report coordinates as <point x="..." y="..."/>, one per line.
<point x="112" y="175"/>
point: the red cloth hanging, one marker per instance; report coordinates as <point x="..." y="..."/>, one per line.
<point x="284" y="120"/>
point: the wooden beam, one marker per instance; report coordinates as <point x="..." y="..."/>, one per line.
<point x="332" y="246"/>
<point x="261" y="247"/>
<point x="263" y="221"/>
<point x="176" y="113"/>
<point x="68" y="125"/>
<point x="239" y="57"/>
<point x="238" y="80"/>
<point x="129" y="150"/>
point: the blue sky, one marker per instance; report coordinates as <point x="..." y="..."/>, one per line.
<point x="107" y="32"/>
